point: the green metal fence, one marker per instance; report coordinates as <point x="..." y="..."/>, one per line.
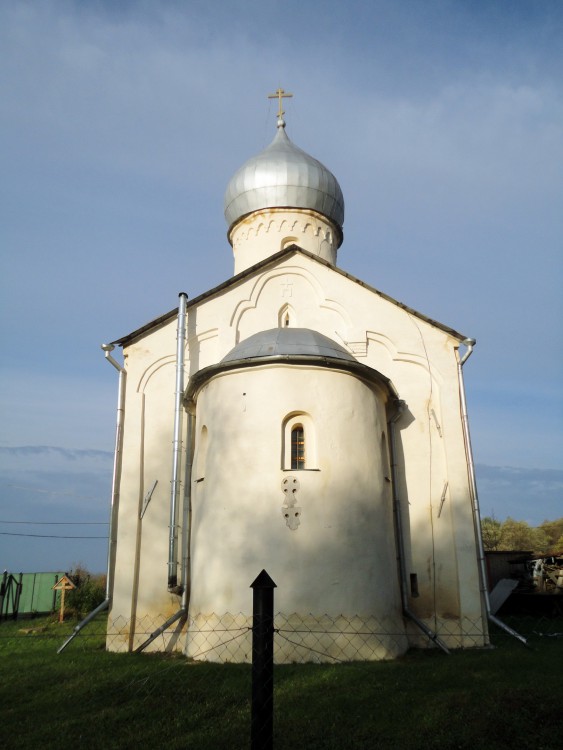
<point x="36" y="595"/>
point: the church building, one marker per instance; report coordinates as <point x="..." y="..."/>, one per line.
<point x="296" y="420"/>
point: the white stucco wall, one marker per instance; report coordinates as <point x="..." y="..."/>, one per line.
<point x="264" y="233"/>
<point x="420" y="360"/>
<point x="341" y="560"/>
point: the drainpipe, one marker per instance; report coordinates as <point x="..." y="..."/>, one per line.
<point x="187" y="515"/>
<point x="186" y="543"/>
<point x="400" y="407"/>
<point x="470" y="343"/>
<point x="177" y="448"/>
<point x="173" y="587"/>
<point x="115" y="485"/>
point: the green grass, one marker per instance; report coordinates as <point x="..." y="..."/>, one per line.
<point x="507" y="697"/>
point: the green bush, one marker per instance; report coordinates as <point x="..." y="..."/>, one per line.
<point x="90" y="592"/>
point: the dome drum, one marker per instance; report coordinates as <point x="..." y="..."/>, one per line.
<point x="267" y="231"/>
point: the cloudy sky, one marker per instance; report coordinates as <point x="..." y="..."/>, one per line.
<point x="122" y="123"/>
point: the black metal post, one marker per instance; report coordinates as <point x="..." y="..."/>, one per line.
<point x="262" y="729"/>
<point x="3" y="589"/>
<point x="19" y="587"/>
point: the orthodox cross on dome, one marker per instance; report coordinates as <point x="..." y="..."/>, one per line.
<point x="279" y="95"/>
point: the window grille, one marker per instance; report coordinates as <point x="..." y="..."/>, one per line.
<point x="298" y="447"/>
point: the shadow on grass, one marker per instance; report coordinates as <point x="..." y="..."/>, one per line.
<point x="505" y="697"/>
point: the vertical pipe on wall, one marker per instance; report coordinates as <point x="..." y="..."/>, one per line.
<point x="117" y="462"/>
<point x="177" y="445"/>
<point x="400" y="407"/>
<point x="115" y="487"/>
<point x="470" y="343"/>
<point x="173" y="586"/>
<point x="187" y="515"/>
<point x="186" y="526"/>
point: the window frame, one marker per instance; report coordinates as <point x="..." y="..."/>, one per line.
<point x="293" y="420"/>
<point x="298" y="455"/>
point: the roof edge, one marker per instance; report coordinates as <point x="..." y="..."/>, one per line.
<point x="271" y="260"/>
<point x="365" y="372"/>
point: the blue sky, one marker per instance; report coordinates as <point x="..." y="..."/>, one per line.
<point x="122" y="123"/>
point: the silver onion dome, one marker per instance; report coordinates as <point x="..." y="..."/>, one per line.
<point x="283" y="176"/>
<point x="282" y="342"/>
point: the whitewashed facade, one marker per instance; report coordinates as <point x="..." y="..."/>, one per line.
<point x="380" y="531"/>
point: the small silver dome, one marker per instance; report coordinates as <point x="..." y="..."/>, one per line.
<point x="283" y="176"/>
<point x="279" y="342"/>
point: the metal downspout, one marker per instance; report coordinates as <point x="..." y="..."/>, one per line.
<point x="115" y="486"/>
<point x="186" y="543"/>
<point x="177" y="447"/>
<point x="186" y="513"/>
<point x="399" y="534"/>
<point x="187" y="516"/>
<point x="100" y="608"/>
<point x="470" y="343"/>
<point x="165" y="625"/>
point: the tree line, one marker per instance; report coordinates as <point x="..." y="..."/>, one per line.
<point x="547" y="538"/>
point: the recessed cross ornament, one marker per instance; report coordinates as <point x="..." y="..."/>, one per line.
<point x="290" y="511"/>
<point x="286" y="288"/>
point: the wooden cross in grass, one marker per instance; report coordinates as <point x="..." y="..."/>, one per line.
<point x="63" y="585"/>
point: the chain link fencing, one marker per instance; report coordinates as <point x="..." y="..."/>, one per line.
<point x="192" y="687"/>
<point x="298" y="639"/>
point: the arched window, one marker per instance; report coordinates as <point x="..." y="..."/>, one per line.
<point x="286" y="317"/>
<point x="298" y="442"/>
<point x="298" y="447"/>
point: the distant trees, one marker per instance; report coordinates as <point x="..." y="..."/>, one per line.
<point x="547" y="538"/>
<point x="491" y="531"/>
<point x="554" y="532"/>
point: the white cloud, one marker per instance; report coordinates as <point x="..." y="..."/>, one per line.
<point x="71" y="410"/>
<point x="53" y="458"/>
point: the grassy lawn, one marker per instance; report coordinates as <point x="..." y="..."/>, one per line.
<point x="507" y="697"/>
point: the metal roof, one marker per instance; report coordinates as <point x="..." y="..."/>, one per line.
<point x="301" y="347"/>
<point x="286" y="342"/>
<point x="283" y="176"/>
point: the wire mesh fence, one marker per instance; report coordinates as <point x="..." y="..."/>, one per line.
<point x="298" y="639"/>
<point x="227" y="638"/>
<point x="194" y="686"/>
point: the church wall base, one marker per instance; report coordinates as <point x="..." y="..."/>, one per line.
<point x="298" y="639"/>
